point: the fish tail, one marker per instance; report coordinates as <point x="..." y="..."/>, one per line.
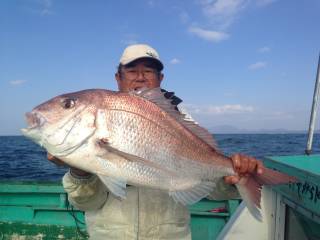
<point x="250" y="188"/>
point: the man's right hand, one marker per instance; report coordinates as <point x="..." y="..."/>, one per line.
<point x="59" y="162"/>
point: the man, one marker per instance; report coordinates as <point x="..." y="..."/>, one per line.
<point x="145" y="213"/>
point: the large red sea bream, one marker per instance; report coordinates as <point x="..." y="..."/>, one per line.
<point x="138" y="138"/>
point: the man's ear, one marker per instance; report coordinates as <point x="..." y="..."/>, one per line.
<point x="161" y="77"/>
<point x="117" y="76"/>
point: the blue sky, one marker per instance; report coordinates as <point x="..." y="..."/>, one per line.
<point x="250" y="64"/>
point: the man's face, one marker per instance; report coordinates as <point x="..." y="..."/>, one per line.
<point x="139" y="74"/>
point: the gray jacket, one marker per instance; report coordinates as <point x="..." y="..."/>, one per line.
<point x="144" y="214"/>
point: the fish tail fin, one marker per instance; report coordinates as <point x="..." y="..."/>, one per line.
<point x="250" y="192"/>
<point x="250" y="188"/>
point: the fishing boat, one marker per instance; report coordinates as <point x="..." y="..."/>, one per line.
<point x="41" y="210"/>
<point x="291" y="211"/>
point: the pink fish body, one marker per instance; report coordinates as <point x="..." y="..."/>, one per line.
<point x="138" y="138"/>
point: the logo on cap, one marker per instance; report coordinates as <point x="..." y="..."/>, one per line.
<point x="151" y="54"/>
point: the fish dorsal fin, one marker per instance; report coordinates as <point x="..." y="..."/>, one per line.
<point x="156" y="96"/>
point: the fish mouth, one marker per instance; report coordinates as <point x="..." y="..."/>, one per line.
<point x="137" y="88"/>
<point x="140" y="89"/>
<point x="34" y="120"/>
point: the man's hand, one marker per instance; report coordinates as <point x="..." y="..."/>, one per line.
<point x="244" y="166"/>
<point x="58" y="162"/>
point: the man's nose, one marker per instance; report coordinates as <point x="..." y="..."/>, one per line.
<point x="140" y="76"/>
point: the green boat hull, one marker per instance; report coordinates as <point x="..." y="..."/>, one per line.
<point x="40" y="210"/>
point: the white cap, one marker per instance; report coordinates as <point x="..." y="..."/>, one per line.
<point x="137" y="51"/>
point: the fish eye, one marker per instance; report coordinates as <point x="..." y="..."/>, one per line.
<point x="68" y="103"/>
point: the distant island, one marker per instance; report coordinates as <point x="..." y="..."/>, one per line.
<point x="228" y="129"/>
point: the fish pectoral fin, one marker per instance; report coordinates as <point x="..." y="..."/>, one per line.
<point x="193" y="195"/>
<point x="130" y="157"/>
<point x="116" y="186"/>
<point x="105" y="144"/>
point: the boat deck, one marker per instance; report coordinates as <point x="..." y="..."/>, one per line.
<point x="40" y="210"/>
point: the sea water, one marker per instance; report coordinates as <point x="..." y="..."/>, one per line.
<point x="21" y="159"/>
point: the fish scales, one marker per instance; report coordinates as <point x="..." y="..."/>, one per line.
<point x="138" y="138"/>
<point x="160" y="139"/>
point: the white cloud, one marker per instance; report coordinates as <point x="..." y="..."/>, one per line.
<point x="223" y="7"/>
<point x="223" y="12"/>
<point x="46" y="7"/>
<point x="246" y="116"/>
<point x="257" y="65"/>
<point x="184" y="17"/>
<point x="17" y="82"/>
<point x="40" y="7"/>
<point x="219" y="16"/>
<point x="218" y="110"/>
<point x="280" y="115"/>
<point x="151" y="3"/>
<point x="262" y="3"/>
<point x="175" y="61"/>
<point x="264" y="49"/>
<point x="212" y="36"/>
<point x="216" y="16"/>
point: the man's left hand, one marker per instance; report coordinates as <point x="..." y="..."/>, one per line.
<point x="244" y="166"/>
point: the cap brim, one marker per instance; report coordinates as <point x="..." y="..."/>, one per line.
<point x="156" y="61"/>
